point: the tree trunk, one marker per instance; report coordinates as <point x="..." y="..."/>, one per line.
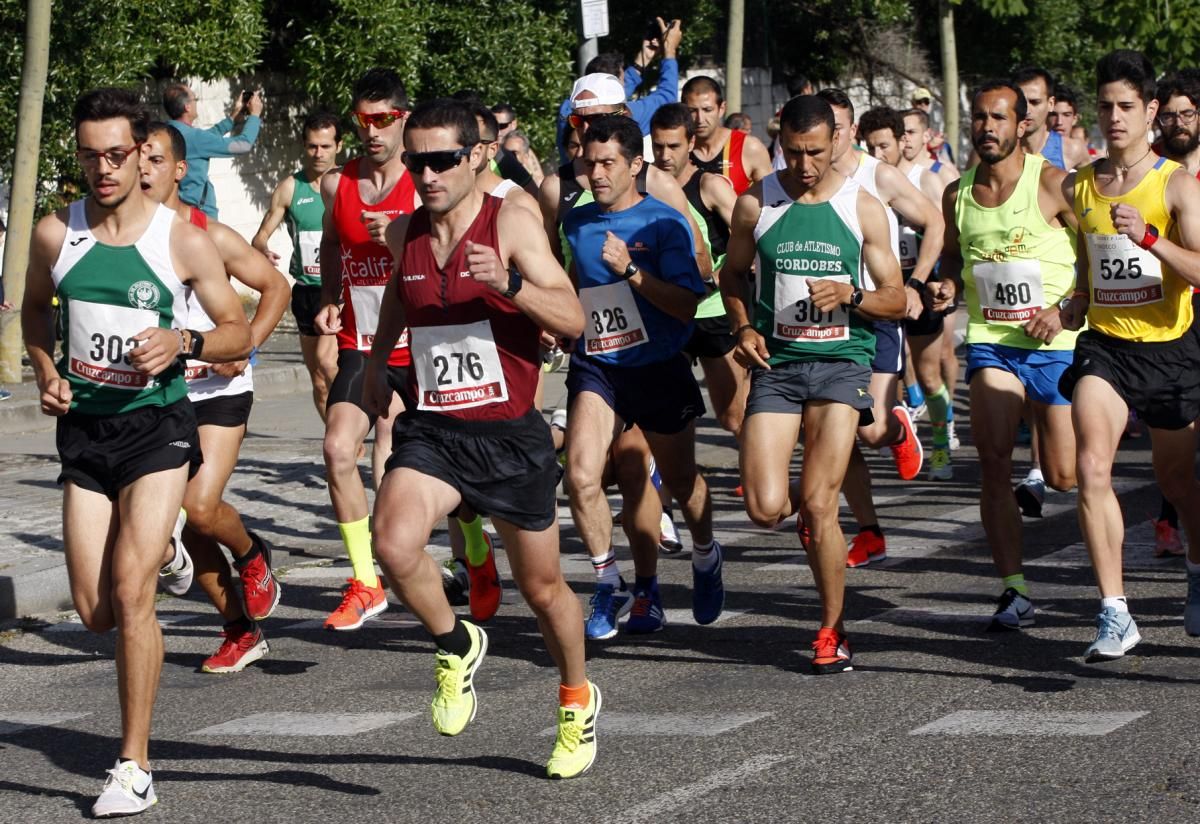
<point x="950" y="79"/>
<point x="733" y="56"/>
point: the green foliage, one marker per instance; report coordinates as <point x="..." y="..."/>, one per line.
<point x="117" y="43"/>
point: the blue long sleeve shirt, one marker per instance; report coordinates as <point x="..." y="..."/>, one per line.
<point x="204" y="144"/>
<point x="642" y="109"/>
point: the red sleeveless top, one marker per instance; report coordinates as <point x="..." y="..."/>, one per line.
<point x="198" y="218"/>
<point x="475" y="355"/>
<point x="736" y="172"/>
<point x="366" y="265"/>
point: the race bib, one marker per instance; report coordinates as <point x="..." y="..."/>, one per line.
<point x="1009" y="291"/>
<point x="457" y="367"/>
<point x="612" y="321"/>
<point x="309" y="245"/>
<point x="910" y="245"/>
<point x="1122" y="273"/>
<point x="196" y="371"/>
<point x="102" y="336"/>
<point x="798" y="319"/>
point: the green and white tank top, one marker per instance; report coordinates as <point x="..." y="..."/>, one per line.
<point x="108" y="295"/>
<point x="798" y="241"/>
<point x="304" y="216"/>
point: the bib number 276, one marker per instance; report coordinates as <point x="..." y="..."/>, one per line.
<point x="456" y="367"/>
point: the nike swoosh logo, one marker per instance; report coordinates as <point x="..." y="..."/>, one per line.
<point x="1085" y="211"/>
<point x="77" y="241"/>
<point x="1018" y="211"/>
<point x="142" y="795"/>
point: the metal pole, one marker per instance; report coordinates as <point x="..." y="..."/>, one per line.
<point x="733" y="55"/>
<point x="24" y="182"/>
<point x="588" y="51"/>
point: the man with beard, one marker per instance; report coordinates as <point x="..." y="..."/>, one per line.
<point x="1009" y="245"/>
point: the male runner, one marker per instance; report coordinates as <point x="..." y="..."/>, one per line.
<point x="361" y="199"/>
<point x="812" y="231"/>
<point x="711" y="198"/>
<point x="120" y="265"/>
<point x="1010" y="243"/>
<point x="297" y="200"/>
<point x="917" y="134"/>
<point x="718" y="149"/>
<point x="890" y="425"/>
<point x="1062" y="150"/>
<point x="1065" y="113"/>
<point x="221" y="395"/>
<point x="1139" y="226"/>
<point x="474" y="436"/>
<point x="639" y="284"/>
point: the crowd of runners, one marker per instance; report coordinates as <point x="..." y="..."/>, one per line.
<point x="815" y="284"/>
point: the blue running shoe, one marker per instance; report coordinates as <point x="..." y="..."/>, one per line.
<point x="1116" y="634"/>
<point x="708" y="592"/>
<point x="608" y="604"/>
<point x="647" y="614"/>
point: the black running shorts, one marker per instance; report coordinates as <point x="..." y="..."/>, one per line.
<point x="224" y="410"/>
<point x="352" y="371"/>
<point x="306" y="302"/>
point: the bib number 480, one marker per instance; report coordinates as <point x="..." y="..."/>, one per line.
<point x="457" y="367"/>
<point x="1120" y="269"/>
<point x="1013" y="294"/>
<point x="610" y="320"/>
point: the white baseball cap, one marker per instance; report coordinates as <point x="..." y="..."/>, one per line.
<point x="606" y="89"/>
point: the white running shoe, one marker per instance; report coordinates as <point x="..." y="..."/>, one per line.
<point x="668" y="536"/>
<point x="176" y="576"/>
<point x="129" y="790"/>
<point x="955" y="443"/>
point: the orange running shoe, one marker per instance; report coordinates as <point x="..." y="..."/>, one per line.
<point x="907" y="454"/>
<point x="831" y="652"/>
<point x="485" y="592"/>
<point x="1166" y="540"/>
<point x="739" y="491"/>
<point x="359" y="602"/>
<point x="867" y="546"/>
<point x="803" y="531"/>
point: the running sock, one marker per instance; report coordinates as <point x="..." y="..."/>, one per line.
<point x="477" y="548"/>
<point x="1016" y="582"/>
<point x="457" y="641"/>
<point x="1167" y="513"/>
<point x="357" y="538"/>
<point x="255" y="550"/>
<point x="606" y="570"/>
<point x="244" y="624"/>
<point x="872" y="528"/>
<point x="655" y="478"/>
<point x="937" y="403"/>
<point x="641" y="584"/>
<point x="949" y="409"/>
<point x="1035" y="476"/>
<point x="704" y="557"/>
<point x="913" y="394"/>
<point x="1117" y="602"/>
<point x="574" y="697"/>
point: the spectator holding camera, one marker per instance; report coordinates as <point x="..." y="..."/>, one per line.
<point x="235" y="135"/>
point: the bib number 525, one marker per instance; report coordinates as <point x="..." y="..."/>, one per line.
<point x="1120" y="269"/>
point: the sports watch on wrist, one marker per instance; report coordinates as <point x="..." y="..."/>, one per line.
<point x="856" y="298"/>
<point x="630" y="271"/>
<point x="193" y="346"/>
<point x="514" y="284"/>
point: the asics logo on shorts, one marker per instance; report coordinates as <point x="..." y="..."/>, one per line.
<point x="180" y="444"/>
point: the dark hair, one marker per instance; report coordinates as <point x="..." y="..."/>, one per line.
<point x="607" y="63"/>
<point x="517" y="134"/>
<point x="805" y="112"/>
<point x="702" y="84"/>
<point x="1130" y="67"/>
<point x="881" y="117"/>
<point x="797" y="83"/>
<point x="617" y="127"/>
<point x="738" y="120"/>
<point x="490" y="129"/>
<point x="995" y="84"/>
<point x="1065" y="94"/>
<point x="1178" y="84"/>
<point x="1027" y="74"/>
<point x="110" y="103"/>
<point x="380" y="84"/>
<point x="175" y="98"/>
<point x="322" y="119"/>
<point x="178" y="144"/>
<point x="445" y="113"/>
<point x="838" y="99"/>
<point x="921" y="114"/>
<point x="504" y="108"/>
<point x="468" y="96"/>
<point x="674" y="116"/>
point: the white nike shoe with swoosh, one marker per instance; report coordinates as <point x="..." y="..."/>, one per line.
<point x="129" y="790"/>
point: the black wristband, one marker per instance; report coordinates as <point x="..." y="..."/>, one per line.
<point x="918" y="286"/>
<point x="737" y="333"/>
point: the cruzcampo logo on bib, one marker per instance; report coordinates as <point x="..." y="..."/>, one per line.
<point x="144" y="295"/>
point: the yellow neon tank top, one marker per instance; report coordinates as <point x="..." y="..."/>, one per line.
<point x="1014" y="263"/>
<point x="1134" y="295"/>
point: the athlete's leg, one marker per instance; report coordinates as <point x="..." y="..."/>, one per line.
<point x="768" y="441"/>
<point x="591" y="427"/>
<point x="346" y="426"/>
<point x="949" y="356"/>
<point x="382" y="448"/>
<point x="885" y="430"/>
<point x="1174" y="454"/>
<point x="997" y="398"/>
<point x="320" y="359"/>
<point x="1055" y="437"/>
<point x="728" y="386"/>
<point x="211" y="521"/>
<point x="1099" y="414"/>
<point x="90" y="525"/>
<point x="675" y="456"/>
<point x="641" y="504"/>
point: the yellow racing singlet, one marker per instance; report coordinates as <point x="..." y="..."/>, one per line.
<point x="1134" y="295"/>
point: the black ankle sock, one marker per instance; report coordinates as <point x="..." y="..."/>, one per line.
<point x="244" y="624"/>
<point x="1167" y="513"/>
<point x="872" y="528"/>
<point x="457" y="641"/>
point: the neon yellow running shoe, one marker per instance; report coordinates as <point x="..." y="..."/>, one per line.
<point x="454" y="702"/>
<point x="575" y="746"/>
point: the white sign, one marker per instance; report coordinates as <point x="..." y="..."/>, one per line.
<point x="595" y="18"/>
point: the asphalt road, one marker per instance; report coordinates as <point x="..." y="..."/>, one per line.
<point x="940" y="720"/>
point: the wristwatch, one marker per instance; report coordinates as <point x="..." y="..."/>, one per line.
<point x="514" y="284"/>
<point x="193" y="345"/>
<point x="630" y="271"/>
<point x="856" y="298"/>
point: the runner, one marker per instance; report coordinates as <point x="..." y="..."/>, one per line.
<point x="361" y="199"/>
<point x="221" y="395"/>
<point x="297" y="200"/>
<point x="1139" y="220"/>
<point x="889" y="425"/>
<point x="640" y="286"/>
<point x="812" y="231"/>
<point x="711" y="198"/>
<point x="917" y="135"/>
<point x="1062" y="150"/>
<point x="1009" y="240"/>
<point x="718" y="149"/>
<point x="120" y="265"/>
<point x="1065" y="114"/>
<point x="474" y="436"/>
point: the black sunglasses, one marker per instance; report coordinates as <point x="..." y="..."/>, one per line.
<point x="441" y="161"/>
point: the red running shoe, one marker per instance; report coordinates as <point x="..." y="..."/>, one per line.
<point x="260" y="590"/>
<point x="239" y="648"/>
<point x="866" y="547"/>
<point x="359" y="602"/>
<point x="803" y="531"/>
<point x="831" y="652"/>
<point x="907" y="454"/>
<point x="485" y="592"/>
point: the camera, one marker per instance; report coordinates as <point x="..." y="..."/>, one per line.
<point x="246" y="95"/>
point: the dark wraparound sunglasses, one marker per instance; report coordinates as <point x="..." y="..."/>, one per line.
<point x="441" y="161"/>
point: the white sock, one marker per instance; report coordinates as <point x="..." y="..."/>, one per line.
<point x="704" y="558"/>
<point x="606" y="569"/>
<point x="1117" y="602"/>
<point x="1035" y="475"/>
